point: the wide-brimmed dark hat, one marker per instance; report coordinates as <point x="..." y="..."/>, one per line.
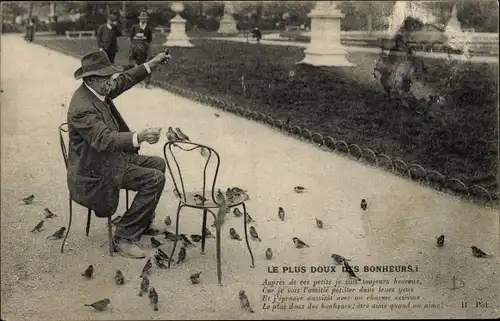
<point x="97" y="64"/>
<point x="143" y="15"/>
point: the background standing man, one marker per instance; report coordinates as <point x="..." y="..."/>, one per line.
<point x="107" y="35"/>
<point x="141" y="36"/>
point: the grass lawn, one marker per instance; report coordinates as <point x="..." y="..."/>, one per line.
<point x="456" y="138"/>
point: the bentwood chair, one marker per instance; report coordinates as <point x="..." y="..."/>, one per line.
<point x="64" y="129"/>
<point x="186" y="198"/>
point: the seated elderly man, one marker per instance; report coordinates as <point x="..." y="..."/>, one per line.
<point x="103" y="153"/>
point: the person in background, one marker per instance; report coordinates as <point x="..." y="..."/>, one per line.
<point x="141" y="36"/>
<point x="107" y="35"/>
<point x="30" y="30"/>
<point x="257" y="34"/>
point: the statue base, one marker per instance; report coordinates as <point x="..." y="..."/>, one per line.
<point x="177" y="36"/>
<point x="227" y="26"/>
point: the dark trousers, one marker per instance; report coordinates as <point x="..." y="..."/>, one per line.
<point x="139" y="54"/>
<point x="146" y="176"/>
<point x="111" y="55"/>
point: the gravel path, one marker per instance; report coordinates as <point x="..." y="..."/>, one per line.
<point x="399" y="227"/>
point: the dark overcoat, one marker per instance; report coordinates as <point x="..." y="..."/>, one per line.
<point x="100" y="145"/>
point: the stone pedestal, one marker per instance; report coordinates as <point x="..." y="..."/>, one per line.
<point x="177" y="36"/>
<point x="227" y="23"/>
<point x="325" y="48"/>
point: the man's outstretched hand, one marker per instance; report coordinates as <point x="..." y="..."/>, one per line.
<point x="150" y="135"/>
<point x="160" y="58"/>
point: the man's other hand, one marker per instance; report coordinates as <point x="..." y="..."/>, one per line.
<point x="150" y="135"/>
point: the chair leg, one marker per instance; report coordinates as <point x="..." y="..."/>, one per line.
<point x="126" y="197"/>
<point x="246" y="233"/>
<point x="110" y="237"/>
<point x="179" y="207"/>
<point x="203" y="228"/>
<point x="218" y="253"/>
<point x="89" y="217"/>
<point x="69" y="225"/>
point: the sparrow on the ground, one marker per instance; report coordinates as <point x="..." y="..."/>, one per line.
<point x="440" y="241"/>
<point x="155" y="243"/>
<point x="48" y="213"/>
<point x="196" y="237"/>
<point x="160" y="261"/>
<point x="170" y="236"/>
<point x="172" y="136"/>
<point x="245" y="304"/>
<point x="208" y="234"/>
<point x="199" y="199"/>
<point x="269" y="253"/>
<point x="182" y="255"/>
<point x="254" y="234"/>
<point x="299" y="243"/>
<point x="281" y="213"/>
<point x="181" y="135"/>
<point x="153" y="298"/>
<point x="319" y="223"/>
<point x="162" y="254"/>
<point x="216" y="115"/>
<point x="38" y="227"/>
<point x="249" y="219"/>
<point x="28" y="200"/>
<point x="237" y="212"/>
<point x="100" y="305"/>
<point x="299" y="189"/>
<point x="146" y="270"/>
<point x="119" y="278"/>
<point x="478" y="253"/>
<point x="168" y="221"/>
<point x="116" y="220"/>
<point x="195" y="278"/>
<point x="88" y="272"/>
<point x="144" y="285"/>
<point x="187" y="242"/>
<point x="58" y="234"/>
<point x="349" y="270"/>
<point x="339" y="259"/>
<point x="364" y="205"/>
<point x="234" y="235"/>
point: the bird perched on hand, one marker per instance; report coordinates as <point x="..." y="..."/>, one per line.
<point x="48" y="213"/>
<point x="440" y="241"/>
<point x="237" y="212"/>
<point x="153" y="299"/>
<point x="281" y="213"/>
<point x="160" y="261"/>
<point x="100" y="305"/>
<point x="237" y="190"/>
<point x="119" y="278"/>
<point x="168" y="221"/>
<point x="170" y="236"/>
<point x="319" y="223"/>
<point x="88" y="272"/>
<point x="28" y="200"/>
<point x="116" y="220"/>
<point x="187" y="242"/>
<point x="230" y="195"/>
<point x="219" y="197"/>
<point x="199" y="199"/>
<point x="478" y="253"/>
<point x="245" y="304"/>
<point x="182" y="254"/>
<point x="196" y="237"/>
<point x="269" y="253"/>
<point x="364" y="205"/>
<point x="254" y="234"/>
<point x="58" y="234"/>
<point x="38" y="227"/>
<point x="146" y="270"/>
<point x="181" y="135"/>
<point x="299" y="243"/>
<point x="195" y="278"/>
<point x="155" y="243"/>
<point x="144" y="285"/>
<point x="172" y="136"/>
<point x="350" y="271"/>
<point x="234" y="235"/>
<point x="299" y="189"/>
<point x="162" y="254"/>
<point x="208" y="234"/>
<point x="339" y="259"/>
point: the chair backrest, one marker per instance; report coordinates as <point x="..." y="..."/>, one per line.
<point x="63" y="129"/>
<point x="177" y="172"/>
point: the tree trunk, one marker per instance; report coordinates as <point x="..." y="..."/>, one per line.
<point x="124" y="18"/>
